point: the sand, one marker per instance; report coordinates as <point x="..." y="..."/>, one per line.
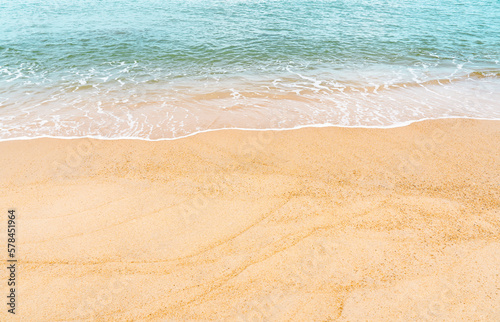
<point x="313" y="224"/>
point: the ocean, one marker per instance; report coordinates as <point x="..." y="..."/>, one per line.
<point x="154" y="69"/>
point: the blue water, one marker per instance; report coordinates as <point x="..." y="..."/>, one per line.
<point x="157" y="69"/>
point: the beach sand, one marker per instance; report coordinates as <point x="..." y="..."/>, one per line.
<point x="312" y="224"/>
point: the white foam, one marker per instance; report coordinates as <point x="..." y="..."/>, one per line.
<point x="325" y="125"/>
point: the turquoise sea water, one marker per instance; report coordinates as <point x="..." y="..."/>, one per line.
<point x="161" y="69"/>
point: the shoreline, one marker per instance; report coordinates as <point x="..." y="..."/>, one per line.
<point x="316" y="223"/>
<point x="326" y="125"/>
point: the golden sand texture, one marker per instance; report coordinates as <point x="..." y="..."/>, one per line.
<point x="316" y="224"/>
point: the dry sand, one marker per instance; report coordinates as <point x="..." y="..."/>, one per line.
<point x="313" y="224"/>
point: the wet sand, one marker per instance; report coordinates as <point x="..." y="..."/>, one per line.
<point x="313" y="224"/>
